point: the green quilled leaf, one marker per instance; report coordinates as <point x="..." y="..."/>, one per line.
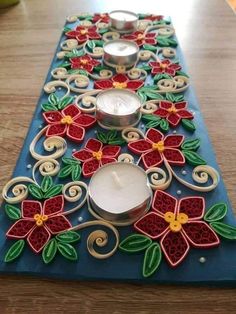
<point x="172" y="42"/>
<point x="102" y="30"/>
<point x="111" y="135"/>
<point x="188" y="125"/>
<point x="162" y="76"/>
<point x="102" y="137"/>
<point x="193" y="158"/>
<point x="54" y="190"/>
<point x="91" y="45"/>
<point x="152" y="259"/>
<point x="164" y="125"/>
<point x="68" y="237"/>
<point x="76" y="172"/>
<point x="12" y="212"/>
<point x="179" y="98"/>
<point x="68" y="251"/>
<point x="216" y="212"/>
<point x="135" y="243"/>
<point x="193" y="144"/>
<point x="14" y="251"/>
<point x="149" y="47"/>
<point x="66" y="29"/>
<point x="46" y="183"/>
<point x="170" y="97"/>
<point x="53" y="99"/>
<point x="49" y="251"/>
<point x="35" y="191"/>
<point x="145" y="67"/>
<point x="224" y="230"/>
<point x="153" y="124"/>
<point x="118" y="141"/>
<point x="70" y="161"/>
<point x="147" y="88"/>
<point x="98" y="43"/>
<point x="48" y="107"/>
<point x="64" y="102"/>
<point x="151" y="117"/>
<point x="142" y="96"/>
<point x="65" y="171"/>
<point x="152" y="95"/>
<point x="162" y="42"/>
<point x="182" y="73"/>
<point x="74" y="71"/>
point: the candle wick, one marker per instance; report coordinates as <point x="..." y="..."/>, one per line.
<point x="116" y="179"/>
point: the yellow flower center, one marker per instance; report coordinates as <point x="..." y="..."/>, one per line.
<point x="97" y="155"/>
<point x="172" y="109"/>
<point x="67" y="120"/>
<point x="163" y="66"/>
<point x="119" y="85"/>
<point x="83" y="31"/>
<point x="83" y="61"/>
<point x="40" y="219"/>
<point x="140" y="37"/>
<point x="175" y="224"/>
<point x="158" y="146"/>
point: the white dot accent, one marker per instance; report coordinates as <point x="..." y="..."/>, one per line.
<point x="80" y="219"/>
<point x="184" y="172"/>
<point x="95" y="132"/>
<point x="174" y="131"/>
<point x="179" y="192"/>
<point x="59" y="88"/>
<point x="40" y="126"/>
<point x="29" y="166"/>
<point x="74" y="150"/>
<point x="202" y="260"/>
<point x="142" y="126"/>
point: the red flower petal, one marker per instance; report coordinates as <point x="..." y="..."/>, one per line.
<point x="140" y="146"/>
<point x="134" y="85"/>
<point x="161" y="112"/>
<point x="199" y="234"/>
<point x="85" y="120"/>
<point x="165" y="104"/>
<point x="71" y="110"/>
<point x="56" y="129"/>
<point x="107" y="160"/>
<point x="129" y="37"/>
<point x="154" y="64"/>
<point x="82" y="155"/>
<point x="193" y="206"/>
<point x="174" y="156"/>
<point x="138" y="33"/>
<point x="174" y="66"/>
<point x="120" y="78"/>
<point x="175" y="247"/>
<point x="103" y="84"/>
<point x="88" y="67"/>
<point x="173" y="140"/>
<point x="154" y="136"/>
<point x="52" y="116"/>
<point x="75" y="132"/>
<point x="94" y="62"/>
<point x="150" y="35"/>
<point x="94" y="35"/>
<point x="166" y="62"/>
<point x="140" y="42"/>
<point x="81" y="38"/>
<point x="72" y="34"/>
<point x="152" y="225"/>
<point x="80" y="28"/>
<point x="93" y="145"/>
<point x="169" y="71"/>
<point x="53" y="205"/>
<point x="156" y="70"/>
<point x="181" y="105"/>
<point x="152" y="159"/>
<point x="30" y="208"/>
<point x="150" y="41"/>
<point x="164" y="202"/>
<point x="173" y="119"/>
<point x="185" y="114"/>
<point x="21" y="228"/>
<point x="57" y="224"/>
<point x="92" y="28"/>
<point x="37" y="238"/>
<point x="111" y="151"/>
<point x="89" y="167"/>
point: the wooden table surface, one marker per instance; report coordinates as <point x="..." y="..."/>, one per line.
<point x="28" y="36"/>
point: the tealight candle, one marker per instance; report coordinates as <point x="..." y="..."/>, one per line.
<point x="123" y="21"/>
<point x="118" y="108"/>
<point x="120" y="52"/>
<point x="120" y="193"/>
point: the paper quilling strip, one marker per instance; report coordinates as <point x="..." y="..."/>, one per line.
<point x="118" y="162"/>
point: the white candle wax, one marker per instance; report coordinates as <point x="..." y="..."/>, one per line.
<point x="123" y="16"/>
<point x="119" y="188"/>
<point x="121" y="48"/>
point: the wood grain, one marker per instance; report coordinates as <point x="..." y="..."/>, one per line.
<point x="28" y="36"/>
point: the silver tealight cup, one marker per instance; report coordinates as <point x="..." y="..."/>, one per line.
<point x="118" y="108"/>
<point x="123" y="21"/>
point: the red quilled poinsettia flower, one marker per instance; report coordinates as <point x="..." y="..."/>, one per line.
<point x="173" y="112"/>
<point x="155" y="148"/>
<point x="85" y="63"/>
<point x="140" y="38"/>
<point x="119" y="81"/>
<point x="70" y="122"/>
<point x="95" y="155"/>
<point x="83" y="33"/>
<point x="39" y="222"/>
<point x="153" y="17"/>
<point x="103" y="18"/>
<point x="178" y="224"/>
<point x="165" y="66"/>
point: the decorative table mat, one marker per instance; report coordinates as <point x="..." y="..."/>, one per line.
<point x="48" y="226"/>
